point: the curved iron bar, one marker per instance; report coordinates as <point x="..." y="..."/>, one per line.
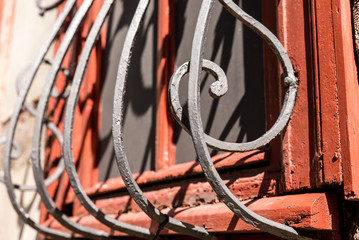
<point x="69" y="119"/>
<point x="15" y="154"/>
<point x="55" y="93"/>
<point x="121" y="158"/>
<point x="196" y="123"/>
<point x="217" y="90"/>
<point x="39" y="120"/>
<point x="19" y="86"/>
<point x="54" y="176"/>
<point x="13" y="123"/>
<point x="290" y="83"/>
<point x="44" y="9"/>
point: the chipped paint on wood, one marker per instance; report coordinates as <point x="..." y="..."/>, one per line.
<point x="318" y="210"/>
<point x="192" y="192"/>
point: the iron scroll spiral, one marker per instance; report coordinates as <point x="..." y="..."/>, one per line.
<point x="121" y="158"/>
<point x="13" y="123"/>
<point x="198" y="136"/>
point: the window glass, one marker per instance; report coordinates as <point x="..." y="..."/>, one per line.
<point x="239" y="116"/>
<point x="139" y="114"/>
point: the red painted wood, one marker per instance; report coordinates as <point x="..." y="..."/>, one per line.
<point x="86" y="123"/>
<point x="308" y="152"/>
<point x="314" y="94"/>
<point x="348" y="97"/>
<point x="53" y="149"/>
<point x="296" y="148"/>
<point x="313" y="147"/>
<point x="87" y="120"/>
<point x="165" y="148"/>
<point x="179" y="171"/>
<point x="311" y="144"/>
<point x="314" y="212"/>
<point x="272" y="89"/>
<point x="327" y="78"/>
<point x="245" y="184"/>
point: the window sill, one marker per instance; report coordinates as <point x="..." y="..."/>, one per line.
<point x="175" y="172"/>
<point x="310" y="212"/>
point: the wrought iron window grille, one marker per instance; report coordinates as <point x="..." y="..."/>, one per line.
<point x="201" y="141"/>
<point x="45" y="8"/>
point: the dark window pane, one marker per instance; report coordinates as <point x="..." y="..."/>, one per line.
<point x="139" y="122"/>
<point x="239" y="115"/>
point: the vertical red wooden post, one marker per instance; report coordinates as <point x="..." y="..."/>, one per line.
<point x="311" y="144"/>
<point x="296" y="149"/>
<point x="165" y="149"/>
<point x="348" y="89"/>
<point x="272" y="90"/>
<point x="326" y="79"/>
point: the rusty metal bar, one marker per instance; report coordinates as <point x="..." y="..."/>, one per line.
<point x="69" y="117"/>
<point x="219" y="88"/>
<point x="13" y="123"/>
<point x="121" y="158"/>
<point x="197" y="132"/>
<point x="36" y="143"/>
<point x="17" y="151"/>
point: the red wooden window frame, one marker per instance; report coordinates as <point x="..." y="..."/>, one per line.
<point x="317" y="149"/>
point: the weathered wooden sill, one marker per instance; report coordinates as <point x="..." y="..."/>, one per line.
<point x="308" y="212"/>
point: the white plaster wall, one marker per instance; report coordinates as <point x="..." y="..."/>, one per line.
<point x="27" y="35"/>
